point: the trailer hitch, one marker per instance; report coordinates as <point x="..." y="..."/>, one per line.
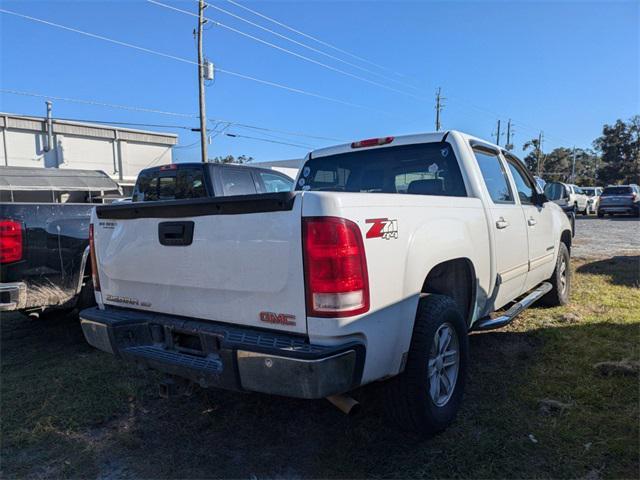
<point x="173" y="386"/>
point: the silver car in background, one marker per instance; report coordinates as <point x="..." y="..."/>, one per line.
<point x="620" y="199"/>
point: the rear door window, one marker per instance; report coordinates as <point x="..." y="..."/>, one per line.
<point x="237" y="181"/>
<point x="274" y="182"/>
<point x="494" y="176"/>
<point x="524" y="187"/>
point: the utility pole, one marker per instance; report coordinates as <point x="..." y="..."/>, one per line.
<point x="498" y="134"/>
<point x="508" y="145"/>
<point x="439" y="107"/>
<point x="573" y="165"/>
<point x="540" y="138"/>
<point x="201" y="91"/>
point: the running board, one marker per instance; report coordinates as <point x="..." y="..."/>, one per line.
<point x="515" y="310"/>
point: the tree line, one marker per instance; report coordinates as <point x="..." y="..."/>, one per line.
<point x="614" y="158"/>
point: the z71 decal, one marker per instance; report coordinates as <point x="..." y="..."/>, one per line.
<point x="382" y="228"/>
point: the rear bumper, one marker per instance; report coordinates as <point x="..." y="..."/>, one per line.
<point x="215" y="354"/>
<point x="13" y="296"/>
<point x="630" y="208"/>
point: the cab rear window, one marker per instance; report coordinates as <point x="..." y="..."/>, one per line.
<point x="176" y="184"/>
<point x="422" y="169"/>
<point x="617" y="191"/>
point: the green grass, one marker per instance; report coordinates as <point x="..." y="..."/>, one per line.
<point x="71" y="411"/>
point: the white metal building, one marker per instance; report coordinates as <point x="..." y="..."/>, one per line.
<point x="119" y="152"/>
<point x="288" y="167"/>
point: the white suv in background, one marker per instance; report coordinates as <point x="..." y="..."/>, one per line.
<point x="578" y="198"/>
<point x="594" y="198"/>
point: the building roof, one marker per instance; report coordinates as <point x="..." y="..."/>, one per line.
<point x="59" y="179"/>
<point x="68" y="127"/>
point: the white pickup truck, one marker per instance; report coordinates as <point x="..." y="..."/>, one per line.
<point x="387" y="254"/>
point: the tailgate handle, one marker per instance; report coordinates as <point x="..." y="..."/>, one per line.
<point x="175" y="233"/>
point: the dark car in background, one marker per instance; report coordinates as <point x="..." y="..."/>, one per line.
<point x="178" y="181"/>
<point x="620" y="199"/>
<point x="44" y="236"/>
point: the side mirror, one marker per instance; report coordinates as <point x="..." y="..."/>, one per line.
<point x="540" y="199"/>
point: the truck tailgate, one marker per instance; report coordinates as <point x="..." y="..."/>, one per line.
<point x="243" y="264"/>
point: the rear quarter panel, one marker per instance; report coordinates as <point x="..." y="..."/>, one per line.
<point x="430" y="230"/>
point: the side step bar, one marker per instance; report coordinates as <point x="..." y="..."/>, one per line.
<point x="515" y="310"/>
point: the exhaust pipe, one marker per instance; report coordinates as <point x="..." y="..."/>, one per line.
<point x="345" y="404"/>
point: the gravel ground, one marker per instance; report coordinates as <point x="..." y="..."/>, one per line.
<point x="606" y="237"/>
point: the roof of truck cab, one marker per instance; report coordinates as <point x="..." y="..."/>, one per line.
<point x="410" y="139"/>
<point x="210" y="165"/>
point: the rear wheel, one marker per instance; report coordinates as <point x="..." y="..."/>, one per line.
<point x="426" y="397"/>
<point x="560" y="280"/>
<point x="600" y="214"/>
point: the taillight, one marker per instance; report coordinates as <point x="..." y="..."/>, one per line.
<point x="10" y="241"/>
<point x="94" y="262"/>
<point x="372" y="142"/>
<point x="336" y="280"/>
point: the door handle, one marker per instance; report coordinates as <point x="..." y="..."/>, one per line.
<point x="175" y="233"/>
<point x="502" y="223"/>
<point x="531" y="221"/>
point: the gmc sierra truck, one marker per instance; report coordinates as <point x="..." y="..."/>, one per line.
<point x="387" y="254"/>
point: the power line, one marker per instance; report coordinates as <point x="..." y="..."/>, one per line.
<point x="288" y="132"/>
<point x="315" y="39"/>
<point x="290" y="52"/>
<point x="308" y="47"/>
<point x="149" y="110"/>
<point x="185" y="60"/>
<point x="270" y="141"/>
<point x="105" y="122"/>
<point x="278" y="137"/>
<point x="455" y="99"/>
<point x="97" y="103"/>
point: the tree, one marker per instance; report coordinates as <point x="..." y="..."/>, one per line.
<point x="619" y="147"/>
<point x="232" y="159"/>
<point x="531" y="160"/>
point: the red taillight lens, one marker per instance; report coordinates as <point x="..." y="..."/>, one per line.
<point x="336" y="279"/>
<point x="94" y="261"/>
<point x="10" y="241"/>
<point x="372" y="142"/>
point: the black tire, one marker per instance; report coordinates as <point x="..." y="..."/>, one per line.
<point x="561" y="290"/>
<point x="600" y="214"/>
<point x="408" y="399"/>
